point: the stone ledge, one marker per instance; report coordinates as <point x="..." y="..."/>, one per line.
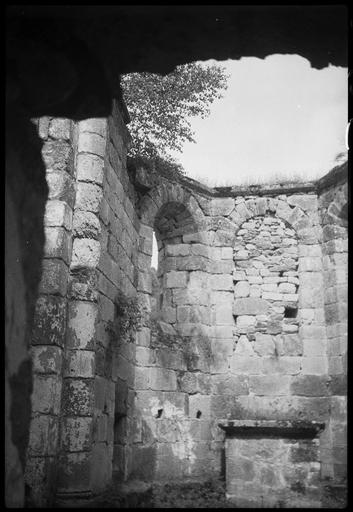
<point x="271" y="428"/>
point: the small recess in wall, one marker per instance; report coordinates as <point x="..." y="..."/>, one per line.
<point x="290" y="312"/>
<point x="159" y="413"/>
<point x="198" y="414"/>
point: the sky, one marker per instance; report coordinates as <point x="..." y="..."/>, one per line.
<point x="279" y="116"/>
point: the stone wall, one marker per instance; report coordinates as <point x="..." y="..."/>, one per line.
<point x="333" y="208"/>
<point x="244" y="319"/>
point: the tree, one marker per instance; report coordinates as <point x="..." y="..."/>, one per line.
<point x="160" y="106"/>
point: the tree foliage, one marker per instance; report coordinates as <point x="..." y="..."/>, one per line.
<point x="160" y="106"/>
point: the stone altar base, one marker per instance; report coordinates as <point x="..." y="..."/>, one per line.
<point x="272" y="464"/>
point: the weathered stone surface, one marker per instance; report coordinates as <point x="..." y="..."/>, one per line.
<point x="49" y="321"/>
<point x="47" y="359"/>
<point x="86" y="225"/>
<point x="85" y="253"/>
<point x="310" y="385"/>
<point x="250" y="306"/>
<point x="58" y="214"/>
<point x="80" y="363"/>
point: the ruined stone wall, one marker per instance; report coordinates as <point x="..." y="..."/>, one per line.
<point x="242" y="324"/>
<point x="247" y="281"/>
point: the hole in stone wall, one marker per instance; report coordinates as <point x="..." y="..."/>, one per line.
<point x="159" y="413"/>
<point x="290" y="312"/>
<point x="198" y="414"/>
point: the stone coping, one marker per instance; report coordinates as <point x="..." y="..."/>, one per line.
<point x="271" y="428"/>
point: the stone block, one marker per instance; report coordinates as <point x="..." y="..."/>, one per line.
<point x="78" y="397"/>
<point x="80" y="363"/>
<point x="269" y="384"/>
<point x="81" y="325"/>
<point x="229" y="384"/>
<point x="54" y="277"/>
<point x="85" y="253"/>
<point x="60" y="128"/>
<point x="264" y="345"/>
<point x="221" y="351"/>
<point x="143" y="337"/>
<point x="289" y="345"/>
<point x="58" y="156"/>
<point x="180" y="249"/>
<point x="288" y="365"/>
<point x="46" y="396"/>
<point x="314" y="365"/>
<point x="93" y="125"/>
<point x="88" y="197"/>
<point x="244" y="347"/>
<point x="74" y="472"/>
<point x="61" y="187"/>
<point x="228" y="406"/>
<point x="310" y="385"/>
<point x="242" y="289"/>
<point x="250" y="306"/>
<point x="90" y="168"/>
<point x="221" y="282"/>
<point x="43" y="436"/>
<point x="58" y="214"/>
<point x="246" y="365"/>
<point x="49" y="325"/>
<point x="199" y="404"/>
<point x="47" y="359"/>
<point x="286" y="288"/>
<point x="76" y="434"/>
<point x="91" y="143"/>
<point x="175" y="279"/>
<point x="57" y="244"/>
<point x="86" y="225"/>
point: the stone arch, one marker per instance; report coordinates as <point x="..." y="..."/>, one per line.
<point x="293" y="215"/>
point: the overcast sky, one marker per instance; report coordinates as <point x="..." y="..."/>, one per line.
<point x="278" y="116"/>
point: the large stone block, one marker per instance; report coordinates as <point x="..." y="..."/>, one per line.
<point x="314" y="365"/>
<point x="264" y="345"/>
<point x="57" y="244"/>
<point x="80" y="363"/>
<point x="229" y="384"/>
<point x="74" y="473"/>
<point x="78" y="397"/>
<point x="250" y="306"/>
<point x="90" y="168"/>
<point x="91" y="143"/>
<point x="43" y="438"/>
<point x="310" y="385"/>
<point x="85" y="253"/>
<point x="269" y="384"/>
<point x="175" y="279"/>
<point x="76" y="434"/>
<point x="88" y="197"/>
<point x="81" y="325"/>
<point x="86" y="225"/>
<point x="49" y="324"/>
<point x="199" y="406"/>
<point x="58" y="214"/>
<point x="61" y="187"/>
<point x="47" y="359"/>
<point x="60" y="128"/>
<point x="46" y="396"/>
<point x="241" y="289"/>
<point x="58" y="156"/>
<point x="288" y="365"/>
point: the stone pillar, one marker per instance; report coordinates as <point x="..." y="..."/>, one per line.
<point x="48" y="337"/>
